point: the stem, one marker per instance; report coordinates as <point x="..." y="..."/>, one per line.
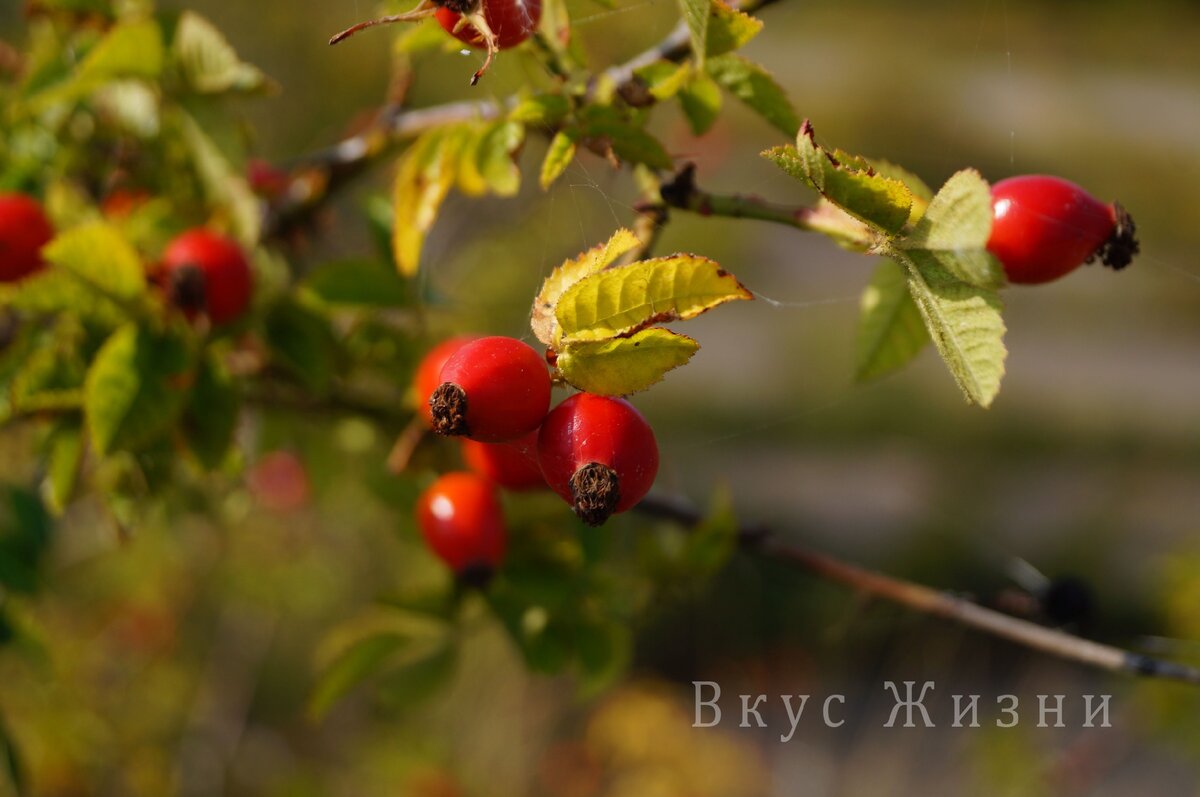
<point x="936" y="603"/>
<point x="317" y="177"/>
<point x="682" y="193"/>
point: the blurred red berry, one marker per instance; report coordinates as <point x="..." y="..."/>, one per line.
<point x="24" y="230"/>
<point x="208" y="273"/>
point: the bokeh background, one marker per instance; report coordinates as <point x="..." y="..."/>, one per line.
<point x="179" y="661"/>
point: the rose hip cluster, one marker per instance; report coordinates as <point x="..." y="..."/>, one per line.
<point x="598" y="453"/>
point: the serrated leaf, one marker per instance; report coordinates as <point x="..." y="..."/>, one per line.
<point x="425" y="177"/>
<point x="546" y="110"/>
<point x="302" y="342"/>
<point x="357" y="663"/>
<point x="954" y="231"/>
<point x="101" y="259"/>
<point x="729" y="29"/>
<point x="847" y="182"/>
<point x="701" y="102"/>
<point x="135" y="388"/>
<point x="754" y="86"/>
<point x="64" y="455"/>
<point x="207" y="60"/>
<point x="559" y="155"/>
<point x="212" y="413"/>
<point x="964" y="323"/>
<point x="545" y="325"/>
<point x="620" y="366"/>
<point x="623" y="299"/>
<point x="696" y="15"/>
<point x="363" y="283"/>
<point x="891" y="331"/>
<point x="663" y="79"/>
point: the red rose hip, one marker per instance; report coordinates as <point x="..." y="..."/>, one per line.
<point x="599" y="454"/>
<point x="513" y="466"/>
<point x="463" y="524"/>
<point x="493" y="390"/>
<point x="511" y="21"/>
<point x="207" y="273"/>
<point x="1045" y="227"/>
<point x="24" y="230"/>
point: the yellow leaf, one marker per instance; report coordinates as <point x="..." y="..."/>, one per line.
<point x="621" y="366"/>
<point x="426" y="175"/>
<point x="627" y="298"/>
<point x="596" y="259"/>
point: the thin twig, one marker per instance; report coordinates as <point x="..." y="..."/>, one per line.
<point x="682" y="193"/>
<point x="936" y="603"/>
<point x="316" y="177"/>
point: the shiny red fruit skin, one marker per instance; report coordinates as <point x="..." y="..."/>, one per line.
<point x="1045" y="227"/>
<point x="429" y="371"/>
<point x="513" y="466"/>
<point x="586" y="428"/>
<point x="228" y="281"/>
<point x="513" y="21"/>
<point x="462" y="522"/>
<point x="24" y="230"/>
<point x="507" y="386"/>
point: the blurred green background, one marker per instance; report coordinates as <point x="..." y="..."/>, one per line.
<point x="179" y="660"/>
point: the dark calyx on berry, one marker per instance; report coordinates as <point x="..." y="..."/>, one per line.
<point x="597" y="491"/>
<point x="187" y="288"/>
<point x="462" y="7"/>
<point x="448" y="407"/>
<point x="476" y="575"/>
<point x="1118" y="251"/>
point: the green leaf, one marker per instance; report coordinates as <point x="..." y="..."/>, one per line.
<point x="64" y="456"/>
<point x="224" y="185"/>
<point x="25" y="530"/>
<point x="357" y="663"/>
<point x="128" y="50"/>
<point x="418" y="677"/>
<point x="51" y="376"/>
<point x="846" y="181"/>
<point x="663" y="79"/>
<point x="964" y="322"/>
<point x="544" y="110"/>
<point x="135" y="388"/>
<point x="361" y="283"/>
<point x="604" y="651"/>
<point x="627" y="141"/>
<point x="621" y="366"/>
<point x="101" y="259"/>
<point x="954" y="231"/>
<point x="891" y="331"/>
<point x="425" y="177"/>
<point x="211" y="415"/>
<point x="208" y="62"/>
<point x="701" y="102"/>
<point x="754" y="86"/>
<point x="302" y="342"/>
<point x="558" y="157"/>
<point x="696" y="14"/>
<point x="711" y="543"/>
<point x="624" y="299"/>
<point x="495" y="158"/>
<point x="730" y="29"/>
<point x="544" y="323"/>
